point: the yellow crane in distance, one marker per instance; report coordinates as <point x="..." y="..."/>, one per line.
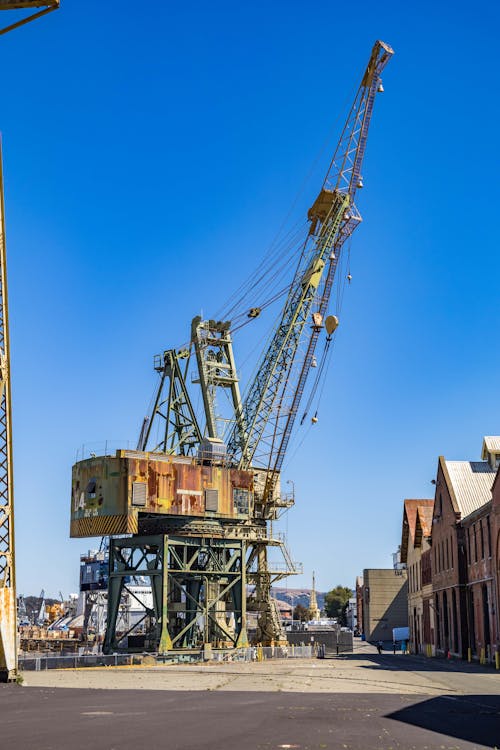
<point x="8" y="609"/>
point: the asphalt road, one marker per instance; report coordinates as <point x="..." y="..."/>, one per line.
<point x="460" y="710"/>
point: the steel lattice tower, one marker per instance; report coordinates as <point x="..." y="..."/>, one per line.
<point x="8" y="654"/>
<point x="8" y="608"/>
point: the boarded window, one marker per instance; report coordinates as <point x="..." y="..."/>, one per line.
<point x="212" y="500"/>
<point x="139" y="493"/>
<point x="241" y="500"/>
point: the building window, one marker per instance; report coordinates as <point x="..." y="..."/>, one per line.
<point x="475" y="543"/>
<point x="91" y="489"/>
<point x="482" y="538"/>
<point x="447" y="556"/>
<point x="451" y="552"/>
<point x="468" y="544"/>
<point x="488" y="534"/>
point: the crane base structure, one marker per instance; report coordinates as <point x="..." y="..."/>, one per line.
<point x="195" y="539"/>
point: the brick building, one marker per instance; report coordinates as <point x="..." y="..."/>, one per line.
<point x="415" y="541"/>
<point x="495" y="547"/>
<point x="463" y="492"/>
<point x="481" y="612"/>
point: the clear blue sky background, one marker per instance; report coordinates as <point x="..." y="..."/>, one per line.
<point x="151" y="152"/>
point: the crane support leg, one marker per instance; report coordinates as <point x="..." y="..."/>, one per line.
<point x="8" y="646"/>
<point x="269" y="630"/>
<point x="8" y="655"/>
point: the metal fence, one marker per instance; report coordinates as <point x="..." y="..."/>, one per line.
<point x="38" y="663"/>
<point x="331" y="641"/>
<point x="250" y="654"/>
<point x="261" y="653"/>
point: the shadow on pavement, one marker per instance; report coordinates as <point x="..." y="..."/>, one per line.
<point x="474" y="718"/>
<point x="414" y="662"/>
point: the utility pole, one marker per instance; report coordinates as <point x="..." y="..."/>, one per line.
<point x="8" y="608"/>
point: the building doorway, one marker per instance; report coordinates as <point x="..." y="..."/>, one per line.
<point x="438" y="624"/>
<point x="472" y="625"/>
<point x="446" y="623"/>
<point x="486" y="617"/>
<point x="455" y="621"/>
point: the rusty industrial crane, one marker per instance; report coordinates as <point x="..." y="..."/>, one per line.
<point x="199" y="492"/>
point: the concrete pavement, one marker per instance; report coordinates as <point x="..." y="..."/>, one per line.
<point x="359" y="701"/>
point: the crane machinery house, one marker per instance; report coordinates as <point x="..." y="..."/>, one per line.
<point x="120" y="494"/>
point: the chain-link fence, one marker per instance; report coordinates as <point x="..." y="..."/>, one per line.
<point x="76" y="661"/>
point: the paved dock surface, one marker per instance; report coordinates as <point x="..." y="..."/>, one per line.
<point x="360" y="701"/>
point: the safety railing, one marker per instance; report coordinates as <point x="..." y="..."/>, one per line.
<point x="250" y="654"/>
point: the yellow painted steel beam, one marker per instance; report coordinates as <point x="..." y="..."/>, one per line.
<point x="8" y="629"/>
<point x="8" y="603"/>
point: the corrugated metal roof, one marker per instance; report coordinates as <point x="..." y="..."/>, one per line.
<point x="491" y="444"/>
<point x="471" y="482"/>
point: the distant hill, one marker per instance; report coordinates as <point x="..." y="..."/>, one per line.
<point x="298" y="596"/>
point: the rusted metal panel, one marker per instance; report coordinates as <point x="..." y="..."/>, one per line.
<point x="98" y="490"/>
<point x="109" y="492"/>
<point x="7" y="631"/>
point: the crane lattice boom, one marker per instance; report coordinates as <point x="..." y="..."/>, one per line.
<point x="272" y="401"/>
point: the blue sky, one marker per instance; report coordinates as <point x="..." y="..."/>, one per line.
<point x="150" y="157"/>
